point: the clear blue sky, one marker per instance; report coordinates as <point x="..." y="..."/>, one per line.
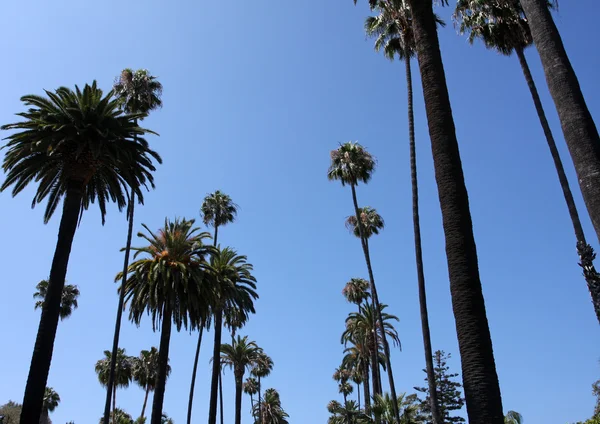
<point x="256" y="94"/>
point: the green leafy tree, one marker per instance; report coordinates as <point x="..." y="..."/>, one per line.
<point x="409" y="409"/>
<point x="137" y="93"/>
<point x="79" y="146"/>
<point x="448" y="391"/>
<point x="348" y="413"/>
<point x="270" y="409"/>
<point x="145" y="371"/>
<point x="11" y="412"/>
<point x="513" y="417"/>
<point x="123" y="373"/>
<point x="171" y="285"/>
<point x="68" y="301"/>
<point x="119" y="416"/>
<point x="239" y="356"/>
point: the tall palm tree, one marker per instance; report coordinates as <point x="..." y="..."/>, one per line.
<point x="342" y="375"/>
<point x="137" y="93"/>
<point x="251" y="388"/>
<point x="217" y="210"/>
<point x="239" y="356"/>
<point x="349" y="413"/>
<point x="394" y="35"/>
<point x="79" y="146"/>
<point x="513" y="417"/>
<point x="356" y="291"/>
<point x="234" y="287"/>
<point x="351" y="164"/>
<point x="170" y="284"/>
<point x="503" y="27"/>
<point x="123" y="373"/>
<point x="262" y="368"/>
<point x="358" y="359"/>
<point x="68" y="300"/>
<point x="51" y="401"/>
<point x="270" y="409"/>
<point x="145" y="371"/>
<point x="577" y="123"/>
<point x="482" y="389"/>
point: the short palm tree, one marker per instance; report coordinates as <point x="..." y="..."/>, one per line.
<point x="239" y="356"/>
<point x="123" y="373"/>
<point x="394" y="34"/>
<point x="119" y="416"/>
<point x="68" y="300"/>
<point x="51" y="401"/>
<point x="270" y="410"/>
<point x="251" y="389"/>
<point x="170" y="284"/>
<point x="138" y="93"/>
<point x="262" y="368"/>
<point x="503" y="27"/>
<point x="79" y="146"/>
<point x="513" y="417"/>
<point x="145" y="371"/>
<point x="234" y="287"/>
<point x="348" y="413"/>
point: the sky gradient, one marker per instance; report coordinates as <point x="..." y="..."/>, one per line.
<point x="256" y="94"/>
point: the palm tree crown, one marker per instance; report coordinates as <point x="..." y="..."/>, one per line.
<point x="145" y="368"/>
<point x="218" y="209"/>
<point x="372" y="222"/>
<point x="270" y="409"/>
<point x="351" y="164"/>
<point x="68" y="302"/>
<point x="138" y="91"/>
<point x="123" y="372"/>
<point x="51" y="399"/>
<point x="240" y="355"/>
<point x="356" y="290"/>
<point x="251" y="386"/>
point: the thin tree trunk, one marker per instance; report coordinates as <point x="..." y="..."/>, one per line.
<point x="33" y="398"/>
<point x="386" y="347"/>
<point x="375" y="368"/>
<point x="358" y="394"/>
<point x="114" y="403"/>
<point x="115" y="349"/>
<point x="433" y="402"/>
<point x="145" y="401"/>
<point x="590" y="274"/>
<point x="577" y="123"/>
<point x="212" y="410"/>
<point x="221" y="396"/>
<point x="252" y="406"/>
<point x="260" y="417"/>
<point x="238" y="399"/>
<point x="163" y="364"/>
<point x="194" y="372"/>
<point x="482" y="390"/>
<point x="367" y="391"/>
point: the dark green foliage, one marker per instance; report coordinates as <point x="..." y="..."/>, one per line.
<point x="349" y="413"/>
<point x="448" y="391"/>
<point x="372" y="222"/>
<point x="270" y="410"/>
<point x="351" y="164"/>
<point x="138" y="92"/>
<point x="11" y="412"/>
<point x="118" y="416"/>
<point x="68" y="302"/>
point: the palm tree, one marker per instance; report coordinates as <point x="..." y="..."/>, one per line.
<point x="68" y="300"/>
<point x="235" y="287"/>
<point x="349" y="413"/>
<point x="51" y="401"/>
<point x="356" y="291"/>
<point x="270" y="410"/>
<point x="482" y="390"/>
<point x="409" y="410"/>
<point x="351" y="164"/>
<point x="251" y="388"/>
<point x="80" y="146"/>
<point x="239" y="356"/>
<point x="262" y="368"/>
<point x="577" y="123"/>
<point x="513" y="417"/>
<point x="123" y="372"/>
<point x="170" y="284"/>
<point x="394" y="35"/>
<point x="503" y="27"/>
<point x="217" y="210"/>
<point x="358" y="359"/>
<point x="137" y="93"/>
<point x="342" y="375"/>
<point x="145" y="371"/>
<point x="165" y="419"/>
<point x="119" y="416"/>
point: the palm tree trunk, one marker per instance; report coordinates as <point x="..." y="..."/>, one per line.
<point x="577" y="124"/>
<point x="591" y="275"/>
<point x="114" y="403"/>
<point x="375" y="368"/>
<point x="358" y="394"/>
<point x="163" y="364"/>
<point x="252" y="406"/>
<point x="260" y="417"/>
<point x="379" y="319"/>
<point x="214" y="387"/>
<point x="145" y="402"/>
<point x="44" y="419"/>
<point x="238" y="399"/>
<point x="115" y="348"/>
<point x="194" y="372"/>
<point x="44" y="343"/>
<point x="221" y="397"/>
<point x="433" y="402"/>
<point x="482" y="390"/>
<point x="367" y="391"/>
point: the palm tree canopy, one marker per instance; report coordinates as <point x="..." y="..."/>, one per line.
<point x="359" y="325"/>
<point x="51" y="399"/>
<point x="240" y="355"/>
<point x="145" y="368"/>
<point x="251" y="386"/>
<point x="77" y="139"/>
<point x="372" y="222"/>
<point x="270" y="408"/>
<point x="218" y="209"/>
<point x="138" y="91"/>
<point x="123" y="370"/>
<point x="68" y="301"/>
<point x="351" y="164"/>
<point x="356" y="290"/>
<point x="346" y="414"/>
<point x="172" y="274"/>
<point x="263" y="365"/>
<point x="119" y="417"/>
<point x="513" y="417"/>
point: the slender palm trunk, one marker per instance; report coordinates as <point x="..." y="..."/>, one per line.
<point x="367" y="391"/>
<point x="591" y="275"/>
<point x="577" y="123"/>
<point x="433" y="402"/>
<point x="163" y="364"/>
<point x="221" y="414"/>
<point x="379" y="319"/>
<point x="375" y="368"/>
<point x="145" y="402"/>
<point x="482" y="390"/>
<point x="194" y="372"/>
<point x="214" y="387"/>
<point x="114" y="403"/>
<point x="115" y="348"/>
<point x="238" y="398"/>
<point x="45" y="418"/>
<point x="33" y="398"/>
<point x="358" y="394"/>
<point x="260" y="417"/>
